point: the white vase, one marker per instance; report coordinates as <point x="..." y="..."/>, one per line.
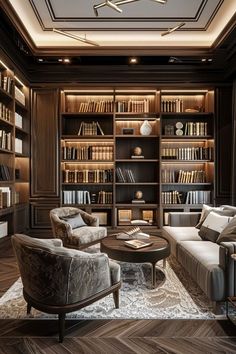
<point x="146" y="128"/>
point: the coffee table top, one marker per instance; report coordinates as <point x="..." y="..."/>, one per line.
<point x="116" y="249"/>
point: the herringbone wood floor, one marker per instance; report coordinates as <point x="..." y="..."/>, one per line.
<point x="109" y="336"/>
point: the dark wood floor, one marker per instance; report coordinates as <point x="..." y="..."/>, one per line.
<point x="109" y="336"/>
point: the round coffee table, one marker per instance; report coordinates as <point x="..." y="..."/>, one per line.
<point x="116" y="249"/>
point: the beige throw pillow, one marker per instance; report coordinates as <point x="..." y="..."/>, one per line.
<point x="206" y="209"/>
<point x="229" y="232"/>
<point x="213" y="225"/>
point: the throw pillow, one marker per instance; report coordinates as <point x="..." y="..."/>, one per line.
<point x="74" y="220"/>
<point x="206" y="209"/>
<point x="229" y="232"/>
<point x="213" y="225"/>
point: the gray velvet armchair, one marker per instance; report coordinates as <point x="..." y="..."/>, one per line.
<point x="60" y="280"/>
<point x="76" y="228"/>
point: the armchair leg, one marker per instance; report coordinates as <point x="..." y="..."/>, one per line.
<point x="116" y="298"/>
<point x="28" y="308"/>
<point x="61" y="326"/>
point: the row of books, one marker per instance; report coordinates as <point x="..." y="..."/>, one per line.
<point x="125" y="175"/>
<point x="6" y="83"/>
<point x="88" y="152"/>
<point x="174" y="105"/>
<point x="5" y="140"/>
<point x="83" y="197"/>
<point x="188" y="153"/>
<point x="173" y="176"/>
<point x="5" y="113"/>
<point x="88" y="176"/>
<point x="19" y="96"/>
<point x="96" y="106"/>
<point x="18" y="145"/>
<point x="136" y="106"/>
<point x="191" y="197"/>
<point x="5" y="173"/>
<point x="5" y="197"/>
<point x="18" y="120"/>
<point x="92" y="128"/>
<point x="198" y="197"/>
<point x="195" y="128"/>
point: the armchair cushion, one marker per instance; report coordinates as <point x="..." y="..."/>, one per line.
<point x="86" y="234"/>
<point x="75" y="220"/>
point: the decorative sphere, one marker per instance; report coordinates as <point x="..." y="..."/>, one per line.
<point x="138" y="194"/>
<point x="137" y="151"/>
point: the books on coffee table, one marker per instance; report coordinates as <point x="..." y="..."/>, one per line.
<point x="136" y="244"/>
<point x="134" y="233"/>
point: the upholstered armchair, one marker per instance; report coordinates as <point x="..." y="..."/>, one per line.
<point x="59" y="280"/>
<point x="76" y="228"/>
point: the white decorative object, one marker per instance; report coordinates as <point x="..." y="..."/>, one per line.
<point x="146" y="128"/>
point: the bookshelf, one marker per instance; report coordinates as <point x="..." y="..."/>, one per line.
<point x="14" y="151"/>
<point x="187" y="150"/>
<point x="87" y="151"/>
<point x="112" y="165"/>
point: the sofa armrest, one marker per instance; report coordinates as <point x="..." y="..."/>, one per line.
<point x="183" y="218"/>
<point x="227" y="249"/>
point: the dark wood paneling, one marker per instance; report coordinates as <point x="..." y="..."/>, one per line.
<point x="223" y="132"/>
<point x="39" y="212"/>
<point x="44" y="143"/>
<point x="21" y="218"/>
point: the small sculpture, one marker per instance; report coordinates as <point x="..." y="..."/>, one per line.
<point x="137" y="151"/>
<point x="146" y="128"/>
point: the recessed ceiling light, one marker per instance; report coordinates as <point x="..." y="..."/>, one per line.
<point x="133" y="60"/>
<point x="66" y="60"/>
<point x="203" y="59"/>
<point x="40" y="60"/>
<point x="60" y="60"/>
<point x="210" y="59"/>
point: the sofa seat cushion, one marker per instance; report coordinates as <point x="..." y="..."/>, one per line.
<point x="201" y="260"/>
<point x="86" y="234"/>
<point x="176" y="234"/>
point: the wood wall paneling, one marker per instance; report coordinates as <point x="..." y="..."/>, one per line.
<point x="223" y="133"/>
<point x="44" y="143"/>
<point x="39" y="211"/>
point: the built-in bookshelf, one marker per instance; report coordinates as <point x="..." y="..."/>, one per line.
<point x="134" y="155"/>
<point x="14" y="151"/>
<point x="187" y="150"/>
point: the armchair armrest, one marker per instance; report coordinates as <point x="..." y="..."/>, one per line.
<point x="89" y="219"/>
<point x="183" y="218"/>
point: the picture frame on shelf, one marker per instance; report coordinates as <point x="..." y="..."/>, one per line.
<point x="124" y="216"/>
<point x="147" y="215"/>
<point x="128" y="131"/>
<point x="102" y="216"/>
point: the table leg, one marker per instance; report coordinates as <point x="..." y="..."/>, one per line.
<point x="154" y="274"/>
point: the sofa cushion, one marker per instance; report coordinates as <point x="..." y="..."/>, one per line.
<point x="75" y="220"/>
<point x="214" y="224"/>
<point x="176" y="234"/>
<point x="206" y="209"/>
<point x="229" y="232"/>
<point x="201" y="260"/>
<point x="86" y="234"/>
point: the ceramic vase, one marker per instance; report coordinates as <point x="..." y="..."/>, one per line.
<point x="146" y="128"/>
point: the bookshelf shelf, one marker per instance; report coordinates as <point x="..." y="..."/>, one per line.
<point x="87" y="137"/>
<point x="137" y="184"/>
<point x="187" y="150"/>
<point x="125" y="136"/>
<point x="87" y="184"/>
<point x="137" y="160"/>
<point x="14" y="151"/>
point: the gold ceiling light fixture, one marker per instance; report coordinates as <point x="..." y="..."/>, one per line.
<point x="115" y="5"/>
<point x="74" y="36"/>
<point x="170" y="30"/>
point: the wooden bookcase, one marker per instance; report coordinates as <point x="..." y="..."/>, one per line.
<point x="187" y="150"/>
<point x="107" y="160"/>
<point x="14" y="151"/>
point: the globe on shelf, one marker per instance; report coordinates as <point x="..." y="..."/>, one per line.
<point x="146" y="128"/>
<point x="138" y="195"/>
<point x="137" y="151"/>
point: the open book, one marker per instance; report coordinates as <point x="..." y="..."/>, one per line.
<point x="134" y="233"/>
<point x="136" y="244"/>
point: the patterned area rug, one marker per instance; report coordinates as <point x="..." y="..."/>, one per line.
<point x="176" y="296"/>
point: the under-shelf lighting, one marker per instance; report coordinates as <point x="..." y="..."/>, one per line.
<point x="4" y="65"/>
<point x="19" y="81"/>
